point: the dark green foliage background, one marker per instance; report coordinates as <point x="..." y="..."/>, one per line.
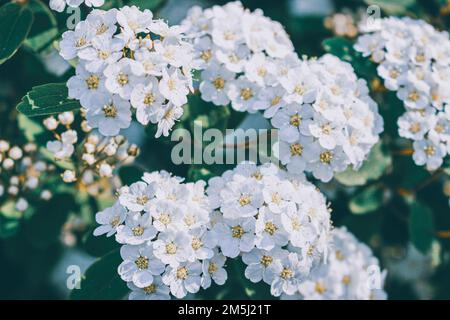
<point x="387" y="204"/>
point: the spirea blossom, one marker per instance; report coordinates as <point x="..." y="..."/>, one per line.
<point x="60" y="5"/>
<point x="351" y="272"/>
<point x="277" y="222"/>
<point x="325" y="117"/>
<point x="414" y="61"/>
<point x="168" y="246"/>
<point x="128" y="62"/>
<point x="239" y="52"/>
<point x="22" y="176"/>
<point x="89" y="159"/>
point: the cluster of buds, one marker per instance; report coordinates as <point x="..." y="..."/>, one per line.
<point x="89" y="161"/>
<point x="20" y="175"/>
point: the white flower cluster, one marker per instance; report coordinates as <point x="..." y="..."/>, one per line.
<point x="414" y="61"/>
<point x="325" y="116"/>
<point x="127" y="59"/>
<point x="60" y="5"/>
<point x="21" y="175"/>
<point x="351" y="272"/>
<point x="94" y="158"/>
<point x="279" y="223"/>
<point x="240" y="52"/>
<point x="165" y="229"/>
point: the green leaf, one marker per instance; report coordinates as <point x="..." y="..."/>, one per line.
<point x="372" y="169"/>
<point x="101" y="280"/>
<point x="368" y="200"/>
<point x="99" y="246"/>
<point x="15" y="24"/>
<point x="392" y="7"/>
<point x="47" y="99"/>
<point x="421" y="226"/>
<point x="45" y="26"/>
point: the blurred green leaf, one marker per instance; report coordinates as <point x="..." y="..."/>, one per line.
<point x="372" y="169"/>
<point x="8" y="210"/>
<point x="47" y="99"/>
<point x="421" y="226"/>
<point x="368" y="200"/>
<point x="101" y="280"/>
<point x="45" y="26"/>
<point x="15" y="24"/>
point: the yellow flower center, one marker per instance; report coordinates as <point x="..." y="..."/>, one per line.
<point x="141" y="262"/>
<point x="413" y="96"/>
<point x="246" y="94"/>
<point x="286" y="273"/>
<point x="244" y="200"/>
<point x="149" y="99"/>
<point x="138" y="231"/>
<point x="142" y="200"/>
<point x="266" y="260"/>
<point x="237" y="232"/>
<point x="182" y="273"/>
<point x="320" y="288"/>
<point x="212" y="268"/>
<point x="150" y="289"/>
<point x="346" y="280"/>
<point x="171" y="248"/>
<point x="415" y="127"/>
<point x="275" y="100"/>
<point x="219" y="83"/>
<point x="295" y="120"/>
<point x="110" y="111"/>
<point x="122" y="79"/>
<point x="206" y="55"/>
<point x="326" y="156"/>
<point x="296" y="149"/>
<point x="164" y="218"/>
<point x="270" y="228"/>
<point x="196" y="243"/>
<point x="92" y="82"/>
<point x="429" y="151"/>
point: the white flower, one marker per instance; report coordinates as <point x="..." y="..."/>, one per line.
<point x="244" y="95"/>
<point x="258" y="262"/>
<point x="346" y="274"/>
<point x="137" y="196"/>
<point x="236" y="236"/>
<point x="139" y="265"/>
<point x="109" y="114"/>
<point x="413" y="59"/>
<point x="429" y="153"/>
<point x="215" y="84"/>
<point x="148" y="101"/>
<point x="287" y="274"/>
<point x="172" y="247"/>
<point x="246" y="44"/>
<point x="155" y="291"/>
<point x="138" y="229"/>
<point x="125" y="53"/>
<point x="183" y="278"/>
<point x="120" y="78"/>
<point x="213" y="269"/>
<point x="173" y="86"/>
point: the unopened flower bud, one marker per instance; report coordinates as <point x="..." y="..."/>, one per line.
<point x="133" y="150"/>
<point x="50" y="123"/>
<point x="69" y="176"/>
<point x="15" y="153"/>
<point x="21" y="205"/>
<point x="105" y="170"/>
<point x="66" y="118"/>
<point x="4" y="145"/>
<point x="8" y="163"/>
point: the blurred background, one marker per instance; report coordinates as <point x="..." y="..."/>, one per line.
<point x="35" y="251"/>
